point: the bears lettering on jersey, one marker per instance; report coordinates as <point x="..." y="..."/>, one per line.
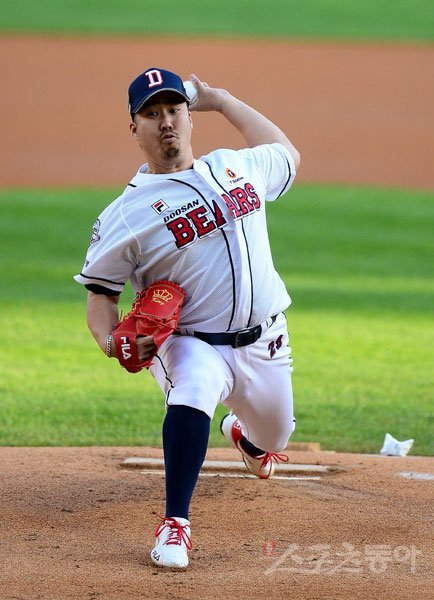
<point x="196" y="224"/>
<point x="242" y="201"/>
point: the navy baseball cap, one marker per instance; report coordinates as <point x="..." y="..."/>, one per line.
<point x="151" y="82"/>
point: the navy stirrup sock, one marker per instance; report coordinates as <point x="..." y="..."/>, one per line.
<point x="185" y="442"/>
<point x="250" y="448"/>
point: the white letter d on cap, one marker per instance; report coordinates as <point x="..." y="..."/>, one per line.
<point x="154" y="77"/>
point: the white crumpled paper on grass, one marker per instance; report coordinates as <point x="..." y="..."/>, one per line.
<point x="392" y="447"/>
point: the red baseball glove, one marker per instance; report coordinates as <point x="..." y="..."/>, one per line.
<point x="155" y="311"/>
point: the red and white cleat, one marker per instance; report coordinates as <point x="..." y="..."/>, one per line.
<point x="172" y="542"/>
<point x="263" y="465"/>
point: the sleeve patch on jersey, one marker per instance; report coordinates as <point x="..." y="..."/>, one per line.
<point x="95" y="237"/>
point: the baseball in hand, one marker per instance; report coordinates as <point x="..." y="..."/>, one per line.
<point x="191" y="90"/>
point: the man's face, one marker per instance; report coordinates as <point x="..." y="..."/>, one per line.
<point x="163" y="128"/>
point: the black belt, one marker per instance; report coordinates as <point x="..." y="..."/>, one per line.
<point x="236" y="339"/>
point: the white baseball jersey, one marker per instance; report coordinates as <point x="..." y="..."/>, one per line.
<point x="203" y="228"/>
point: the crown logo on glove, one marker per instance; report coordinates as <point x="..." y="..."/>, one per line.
<point x="161" y="296"/>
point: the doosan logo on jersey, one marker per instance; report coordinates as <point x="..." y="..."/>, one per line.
<point x="181" y="210"/>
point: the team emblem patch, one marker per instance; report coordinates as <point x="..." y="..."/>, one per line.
<point x="95" y="232"/>
<point x="230" y="173"/>
<point x="161" y="296"/>
<point x="159" y="206"/>
<point x="154" y="77"/>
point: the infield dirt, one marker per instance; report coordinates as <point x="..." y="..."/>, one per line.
<point x="76" y="525"/>
<point x="358" y="113"/>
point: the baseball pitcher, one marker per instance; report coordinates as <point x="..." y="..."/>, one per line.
<point x="190" y="234"/>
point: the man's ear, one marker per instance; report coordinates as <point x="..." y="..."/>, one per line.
<point x="133" y="129"/>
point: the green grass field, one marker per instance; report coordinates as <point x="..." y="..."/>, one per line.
<point x="357" y="262"/>
<point x="371" y="19"/>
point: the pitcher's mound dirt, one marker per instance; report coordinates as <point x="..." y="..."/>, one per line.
<point x="76" y="525"/>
